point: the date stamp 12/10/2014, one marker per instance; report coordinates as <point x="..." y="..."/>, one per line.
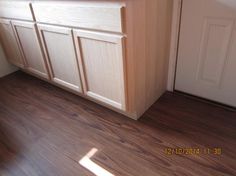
<point x="193" y="151"/>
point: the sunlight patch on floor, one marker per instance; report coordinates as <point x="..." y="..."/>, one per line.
<point x="92" y="166"/>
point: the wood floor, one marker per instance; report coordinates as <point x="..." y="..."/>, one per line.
<point x="46" y="131"/>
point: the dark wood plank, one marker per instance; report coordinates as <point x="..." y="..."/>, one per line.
<point x="46" y="131"/>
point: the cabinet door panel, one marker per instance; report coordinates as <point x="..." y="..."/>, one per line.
<point x="10" y="44"/>
<point x="103" y="66"/>
<point x="61" y="55"/>
<point x="30" y="46"/>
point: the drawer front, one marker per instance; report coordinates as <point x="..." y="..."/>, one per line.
<point x="90" y="16"/>
<point x="16" y="10"/>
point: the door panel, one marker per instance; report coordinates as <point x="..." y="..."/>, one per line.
<point x="207" y="50"/>
<point x="10" y="44"/>
<point x="214" y="50"/>
<point x="31" y="49"/>
<point x="61" y="56"/>
<point x="103" y="66"/>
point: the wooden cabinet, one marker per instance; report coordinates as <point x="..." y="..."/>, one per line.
<point x="102" y="61"/>
<point x="114" y="52"/>
<point x="10" y="44"/>
<point x="32" y="52"/>
<point x="60" y="52"/>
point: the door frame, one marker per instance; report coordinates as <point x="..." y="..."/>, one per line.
<point x="174" y="43"/>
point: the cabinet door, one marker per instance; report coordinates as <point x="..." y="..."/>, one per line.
<point x="27" y="36"/>
<point x="102" y="59"/>
<point x="59" y="46"/>
<point x="9" y="43"/>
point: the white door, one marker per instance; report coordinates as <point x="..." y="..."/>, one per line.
<point x="206" y="65"/>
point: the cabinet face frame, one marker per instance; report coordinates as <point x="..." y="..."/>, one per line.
<point x="6" y="49"/>
<point x="103" y="37"/>
<point x="63" y="31"/>
<point x="31" y="25"/>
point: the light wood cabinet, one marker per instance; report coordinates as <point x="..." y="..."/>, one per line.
<point x="27" y="36"/>
<point x="10" y="44"/>
<point x="61" y="56"/>
<point x="114" y="53"/>
<point x="102" y="62"/>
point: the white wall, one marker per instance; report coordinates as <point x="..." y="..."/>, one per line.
<point x="5" y="67"/>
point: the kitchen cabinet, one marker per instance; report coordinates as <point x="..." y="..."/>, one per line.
<point x="29" y="43"/>
<point x="114" y="53"/>
<point x="61" y="56"/>
<point x="9" y="43"/>
<point x="102" y="62"/>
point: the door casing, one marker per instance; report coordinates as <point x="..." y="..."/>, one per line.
<point x="175" y="29"/>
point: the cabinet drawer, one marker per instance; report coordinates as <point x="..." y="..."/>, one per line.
<point x="96" y="16"/>
<point x="16" y="10"/>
